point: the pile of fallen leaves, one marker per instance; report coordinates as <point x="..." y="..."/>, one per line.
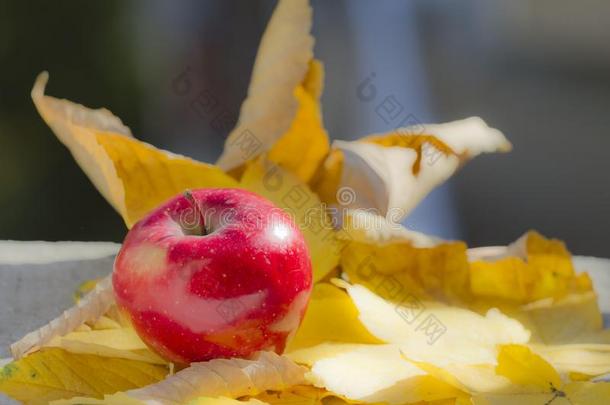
<point x="395" y="316"/>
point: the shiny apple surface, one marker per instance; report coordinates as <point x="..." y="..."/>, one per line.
<point x="214" y="273"/>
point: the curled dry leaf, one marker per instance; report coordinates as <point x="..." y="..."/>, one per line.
<point x="133" y="176"/>
<point x="280" y="67"/>
<point x="393" y="172"/>
<point x="224" y="377"/>
<point x="90" y="308"/>
<point x="207" y="381"/>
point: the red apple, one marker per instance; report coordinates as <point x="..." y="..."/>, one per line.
<point x="214" y="273"/>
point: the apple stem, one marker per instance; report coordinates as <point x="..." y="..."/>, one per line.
<point x="189" y="196"/>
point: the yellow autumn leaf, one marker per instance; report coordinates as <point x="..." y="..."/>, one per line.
<point x="289" y="193"/>
<point x="224" y="401"/>
<point x="121" y="339"/>
<point x="298" y="395"/>
<point x="577" y="393"/>
<point x="331" y="317"/>
<point x="120" y="398"/>
<point x="547" y="320"/>
<point x="210" y="380"/>
<point x="588" y="393"/>
<point x="375" y="373"/>
<point x="471" y="378"/>
<point x="369" y="228"/>
<point x="523" y="367"/>
<point x="577" y="376"/>
<point x="325" y="181"/>
<point x="301" y="149"/>
<point x="398" y="269"/>
<point x="308" y="356"/>
<point x="532" y="268"/>
<point x="105" y="322"/>
<point x="580" y="361"/>
<point x="151" y="176"/>
<point x="133" y="176"/>
<point x="225" y="377"/>
<point x="391" y="173"/>
<point x="52" y="373"/>
<point x="544" y="253"/>
<point x="124" y="399"/>
<point x="518" y="370"/>
<point x="122" y="342"/>
<point x="281" y="66"/>
<point x="433" y="332"/>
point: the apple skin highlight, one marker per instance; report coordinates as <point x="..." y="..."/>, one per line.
<point x="214" y="273"/>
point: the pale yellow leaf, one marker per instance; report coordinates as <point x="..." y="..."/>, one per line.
<point x="298" y="395"/>
<point x="121" y="339"/>
<point x="578" y="393"/>
<point x="151" y="176"/>
<point x="376" y="373"/>
<point x="122" y="342"/>
<point x="391" y="173"/>
<point x="224" y="401"/>
<point x="589" y="359"/>
<point x="281" y="65"/>
<point x="523" y="367"/>
<point x="471" y="378"/>
<point x="301" y="149"/>
<point x="120" y="398"/>
<point x="400" y="269"/>
<point x="547" y="320"/>
<point x="517" y="370"/>
<point x="434" y="332"/>
<point x="105" y="322"/>
<point x="308" y="356"/>
<point x="532" y="268"/>
<point x="52" y="373"/>
<point x="331" y="317"/>
<point x="372" y="229"/>
<point x="133" y="176"/>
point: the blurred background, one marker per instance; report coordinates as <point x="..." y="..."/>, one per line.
<point x="537" y="70"/>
